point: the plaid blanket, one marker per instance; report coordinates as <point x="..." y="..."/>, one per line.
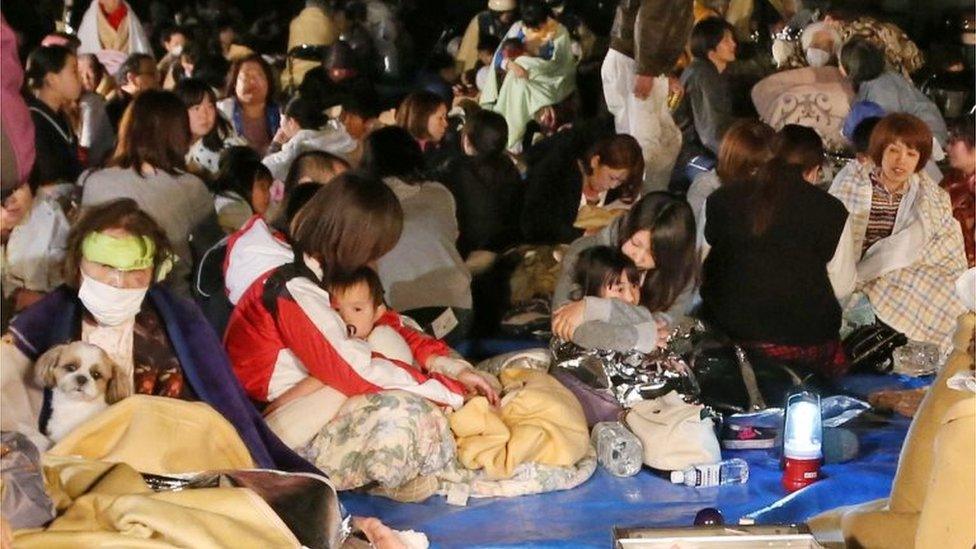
<point x="918" y="300"/>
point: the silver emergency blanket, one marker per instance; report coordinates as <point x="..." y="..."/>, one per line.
<point x="628" y="376"/>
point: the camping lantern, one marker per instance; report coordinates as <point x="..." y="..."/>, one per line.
<point x="802" y="437"/>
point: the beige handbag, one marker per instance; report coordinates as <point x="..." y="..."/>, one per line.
<point x="676" y="435"/>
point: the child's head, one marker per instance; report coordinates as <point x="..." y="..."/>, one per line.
<point x="487" y="44"/>
<point x="358" y="297"/>
<point x="242" y="172"/>
<point x="512" y="48"/>
<point x="602" y="271"/>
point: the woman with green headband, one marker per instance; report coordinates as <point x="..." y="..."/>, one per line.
<point x="115" y="259"/>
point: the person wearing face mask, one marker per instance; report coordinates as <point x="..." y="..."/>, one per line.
<point x="658" y="235"/>
<point x="174" y="41"/>
<point x="908" y="246"/>
<point x="116" y="257"/>
<point x="820" y="43"/>
<point x="565" y="187"/>
<point x="149" y="166"/>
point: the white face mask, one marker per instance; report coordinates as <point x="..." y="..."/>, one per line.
<point x="177" y="50"/>
<point x="817" y="57"/>
<point x="109" y="305"/>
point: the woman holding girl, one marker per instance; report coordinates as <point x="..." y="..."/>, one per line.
<point x="658" y="235"/>
<point x="780" y="259"/>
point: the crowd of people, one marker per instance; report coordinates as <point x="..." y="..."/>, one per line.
<point x="299" y="236"/>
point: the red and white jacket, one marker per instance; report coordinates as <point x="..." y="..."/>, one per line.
<point x="252" y="251"/>
<point x="270" y="353"/>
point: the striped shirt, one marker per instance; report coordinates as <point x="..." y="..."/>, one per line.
<point x="884" y="210"/>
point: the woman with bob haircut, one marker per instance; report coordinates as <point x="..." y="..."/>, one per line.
<point x="658" y="235"/>
<point x="149" y="166"/>
<point x="250" y="102"/>
<point x="117" y="256"/>
<point x="780" y="259"/>
<point x="909" y="248"/>
<point x="744" y="150"/>
<point x="561" y="184"/>
<point x="290" y="348"/>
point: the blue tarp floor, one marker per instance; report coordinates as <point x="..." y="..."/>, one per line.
<point x="583" y="517"/>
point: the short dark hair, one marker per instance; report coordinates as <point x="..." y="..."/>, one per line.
<point x="906" y="128"/>
<point x="154" y="130"/>
<point x="123" y="213"/>
<point x="306" y="112"/>
<point x="168" y="33"/>
<point x="706" y="35"/>
<point x="392" y="152"/>
<point x="488" y="42"/>
<point x="43" y="61"/>
<point x="862" y="61"/>
<point x="962" y="129"/>
<point x="534" y="13"/>
<point x="131" y="65"/>
<point x="238" y="172"/>
<point x="601" y="266"/>
<point x="363" y="275"/>
<point x="798" y="146"/>
<point x="487" y="131"/>
<point x="861" y="137"/>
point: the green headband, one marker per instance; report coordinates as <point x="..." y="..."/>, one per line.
<point x="129" y="253"/>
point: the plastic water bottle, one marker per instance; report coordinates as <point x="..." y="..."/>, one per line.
<point x="730" y="471"/>
<point x="617" y="449"/>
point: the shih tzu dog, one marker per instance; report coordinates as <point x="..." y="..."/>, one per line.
<point x="83" y="381"/>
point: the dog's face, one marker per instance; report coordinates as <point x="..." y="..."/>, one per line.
<point x="83" y="372"/>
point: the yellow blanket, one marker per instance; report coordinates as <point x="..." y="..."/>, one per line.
<point x="540" y="421"/>
<point x="108" y="505"/>
<point x="158" y="435"/>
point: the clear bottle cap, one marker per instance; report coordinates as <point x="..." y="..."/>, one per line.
<point x="677" y="477"/>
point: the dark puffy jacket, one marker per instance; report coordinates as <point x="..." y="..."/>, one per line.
<point x="653" y="32"/>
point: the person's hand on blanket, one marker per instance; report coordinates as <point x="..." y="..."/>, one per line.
<point x="567" y="318"/>
<point x="477" y="382"/>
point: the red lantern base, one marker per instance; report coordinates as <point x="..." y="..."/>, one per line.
<point x="800" y="473"/>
